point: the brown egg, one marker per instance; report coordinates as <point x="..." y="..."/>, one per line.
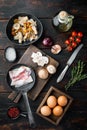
<point x="57" y="111"/>
<point x="45" y="110"/>
<point x="51" y="101"/>
<point x="43" y="73"/>
<point x="62" y="100"/>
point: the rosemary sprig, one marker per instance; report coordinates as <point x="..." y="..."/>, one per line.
<point x="76" y="74"/>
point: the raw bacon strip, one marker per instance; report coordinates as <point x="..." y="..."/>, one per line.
<point x="20" y="76"/>
<point x="21" y="82"/>
<point x="19" y="70"/>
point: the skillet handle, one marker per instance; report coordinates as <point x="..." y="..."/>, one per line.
<point x="29" y="112"/>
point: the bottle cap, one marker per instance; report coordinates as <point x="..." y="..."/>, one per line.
<point x="63" y="15"/>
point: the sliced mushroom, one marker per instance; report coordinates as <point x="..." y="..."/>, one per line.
<point x="16" y="26"/>
<point x="18" y="37"/>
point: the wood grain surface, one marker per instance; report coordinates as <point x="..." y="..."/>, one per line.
<point x="40" y="83"/>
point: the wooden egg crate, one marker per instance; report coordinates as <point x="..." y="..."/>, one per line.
<point x="52" y="118"/>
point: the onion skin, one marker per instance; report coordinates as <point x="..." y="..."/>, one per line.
<point x="48" y="42"/>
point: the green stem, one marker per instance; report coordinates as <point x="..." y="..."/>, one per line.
<point x="76" y="74"/>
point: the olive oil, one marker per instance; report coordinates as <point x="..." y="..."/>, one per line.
<point x="63" y="21"/>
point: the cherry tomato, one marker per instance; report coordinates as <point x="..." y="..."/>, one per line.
<point x="74" y="33"/>
<point x="78" y="40"/>
<point x="69" y="48"/>
<point x="80" y="34"/>
<point x="67" y="42"/>
<point x="74" y="44"/>
<point x="71" y="38"/>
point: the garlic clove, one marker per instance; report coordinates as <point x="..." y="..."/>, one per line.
<point x="56" y="49"/>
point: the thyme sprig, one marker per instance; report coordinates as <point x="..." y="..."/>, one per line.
<point x="76" y="74"/>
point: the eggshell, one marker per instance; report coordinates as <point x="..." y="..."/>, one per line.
<point x="43" y="73"/>
<point x="62" y="100"/>
<point x="51" y="101"/>
<point x="58" y="110"/>
<point x="45" y="110"/>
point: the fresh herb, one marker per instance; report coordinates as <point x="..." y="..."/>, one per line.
<point x="76" y="74"/>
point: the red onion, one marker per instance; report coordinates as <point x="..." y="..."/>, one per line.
<point x="47" y="42"/>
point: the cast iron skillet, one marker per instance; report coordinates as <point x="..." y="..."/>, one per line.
<point x="11" y="22"/>
<point x="23" y="90"/>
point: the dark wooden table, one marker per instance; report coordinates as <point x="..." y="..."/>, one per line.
<point x="76" y="116"/>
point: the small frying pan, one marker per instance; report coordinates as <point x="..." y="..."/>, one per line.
<point x="23" y="90"/>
